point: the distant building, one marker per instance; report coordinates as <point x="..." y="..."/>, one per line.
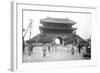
<point x="60" y="28"/>
<point x="53" y="28"/>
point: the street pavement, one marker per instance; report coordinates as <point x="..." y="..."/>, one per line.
<point x="59" y="54"/>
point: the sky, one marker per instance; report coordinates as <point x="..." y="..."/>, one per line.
<point x="83" y="20"/>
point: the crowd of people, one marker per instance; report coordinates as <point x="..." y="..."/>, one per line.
<point x="73" y="48"/>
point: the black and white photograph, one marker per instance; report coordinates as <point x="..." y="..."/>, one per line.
<point x="49" y="35"/>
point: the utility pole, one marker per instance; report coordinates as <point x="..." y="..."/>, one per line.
<point x="29" y="27"/>
<point x="30" y="31"/>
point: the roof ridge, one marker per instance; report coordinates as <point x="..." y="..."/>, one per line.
<point x="58" y="20"/>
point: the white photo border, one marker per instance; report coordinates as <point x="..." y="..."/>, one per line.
<point x="17" y="13"/>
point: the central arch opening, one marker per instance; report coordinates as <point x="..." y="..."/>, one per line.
<point x="58" y="40"/>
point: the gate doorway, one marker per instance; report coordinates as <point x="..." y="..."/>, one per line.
<point x="58" y="40"/>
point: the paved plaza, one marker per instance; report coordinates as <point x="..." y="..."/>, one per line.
<point x="59" y="54"/>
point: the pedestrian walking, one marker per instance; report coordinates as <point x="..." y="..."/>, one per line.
<point x="44" y="50"/>
<point x="30" y="48"/>
<point x="49" y="49"/>
<point x="79" y="48"/>
<point x="72" y="51"/>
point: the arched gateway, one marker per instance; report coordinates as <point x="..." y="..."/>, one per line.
<point x="57" y="28"/>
